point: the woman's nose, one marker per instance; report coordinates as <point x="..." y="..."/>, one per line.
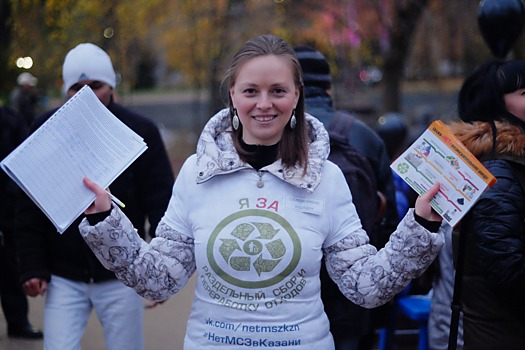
<point x="264" y="102"/>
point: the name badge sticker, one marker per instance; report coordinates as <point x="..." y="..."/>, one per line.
<point x="305" y="205"/>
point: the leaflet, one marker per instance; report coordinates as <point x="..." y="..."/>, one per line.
<point x="437" y="155"/>
<point x="82" y="138"/>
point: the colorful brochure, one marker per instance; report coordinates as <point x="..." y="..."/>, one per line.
<point x="437" y="155"/>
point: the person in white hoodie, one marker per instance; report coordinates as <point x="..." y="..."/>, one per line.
<point x="253" y="212"/>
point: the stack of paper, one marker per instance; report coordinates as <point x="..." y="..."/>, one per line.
<point x="83" y="138"/>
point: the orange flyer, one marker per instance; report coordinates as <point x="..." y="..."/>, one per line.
<point x="437" y="155"/>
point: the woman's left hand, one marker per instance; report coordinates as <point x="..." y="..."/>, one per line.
<point x="423" y="208"/>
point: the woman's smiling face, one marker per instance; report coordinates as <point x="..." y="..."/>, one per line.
<point x="264" y="95"/>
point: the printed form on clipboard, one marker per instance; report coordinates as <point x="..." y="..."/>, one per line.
<point x="82" y="138"/>
<point x="437" y="155"/>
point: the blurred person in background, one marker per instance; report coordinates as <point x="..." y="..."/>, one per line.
<point x="491" y="106"/>
<point x="61" y="266"/>
<point x="424" y="118"/>
<point x="442" y="292"/>
<point x="13" y="130"/>
<point x="25" y="97"/>
<point x="439" y="277"/>
<point x="393" y="130"/>
<point x="353" y="327"/>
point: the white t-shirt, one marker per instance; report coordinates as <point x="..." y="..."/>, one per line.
<point x="258" y="251"/>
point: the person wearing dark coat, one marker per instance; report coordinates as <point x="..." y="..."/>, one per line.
<point x="351" y="326"/>
<point x="62" y="265"/>
<point x="491" y="106"/>
<point x="25" y="97"/>
<point x="13" y="130"/>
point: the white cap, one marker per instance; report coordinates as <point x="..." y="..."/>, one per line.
<point x="26" y="78"/>
<point x="87" y="62"/>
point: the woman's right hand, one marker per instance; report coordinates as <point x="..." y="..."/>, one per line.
<point x="102" y="203"/>
<point x="35" y="286"/>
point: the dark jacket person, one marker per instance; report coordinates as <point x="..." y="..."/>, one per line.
<point x="61" y="264"/>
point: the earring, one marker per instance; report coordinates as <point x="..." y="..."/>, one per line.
<point x="293" y="120"/>
<point x="235" y="120"/>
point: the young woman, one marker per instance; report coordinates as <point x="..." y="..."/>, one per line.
<point x="253" y="212"/>
<point x="492" y="108"/>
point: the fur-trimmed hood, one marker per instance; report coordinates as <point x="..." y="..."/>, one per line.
<point x="477" y="137"/>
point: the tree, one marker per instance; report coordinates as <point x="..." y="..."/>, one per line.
<point x="400" y="29"/>
<point x="5" y="38"/>
<point x="374" y="32"/>
<point x="45" y="31"/>
<point x="194" y="39"/>
<point x="204" y="34"/>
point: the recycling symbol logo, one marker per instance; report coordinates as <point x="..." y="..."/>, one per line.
<point x="403" y="168"/>
<point x="253" y="249"/>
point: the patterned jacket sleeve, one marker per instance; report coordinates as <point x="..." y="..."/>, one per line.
<point x="156" y="270"/>
<point x="371" y="278"/>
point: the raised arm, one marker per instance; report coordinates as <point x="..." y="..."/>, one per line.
<point x="156" y="270"/>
